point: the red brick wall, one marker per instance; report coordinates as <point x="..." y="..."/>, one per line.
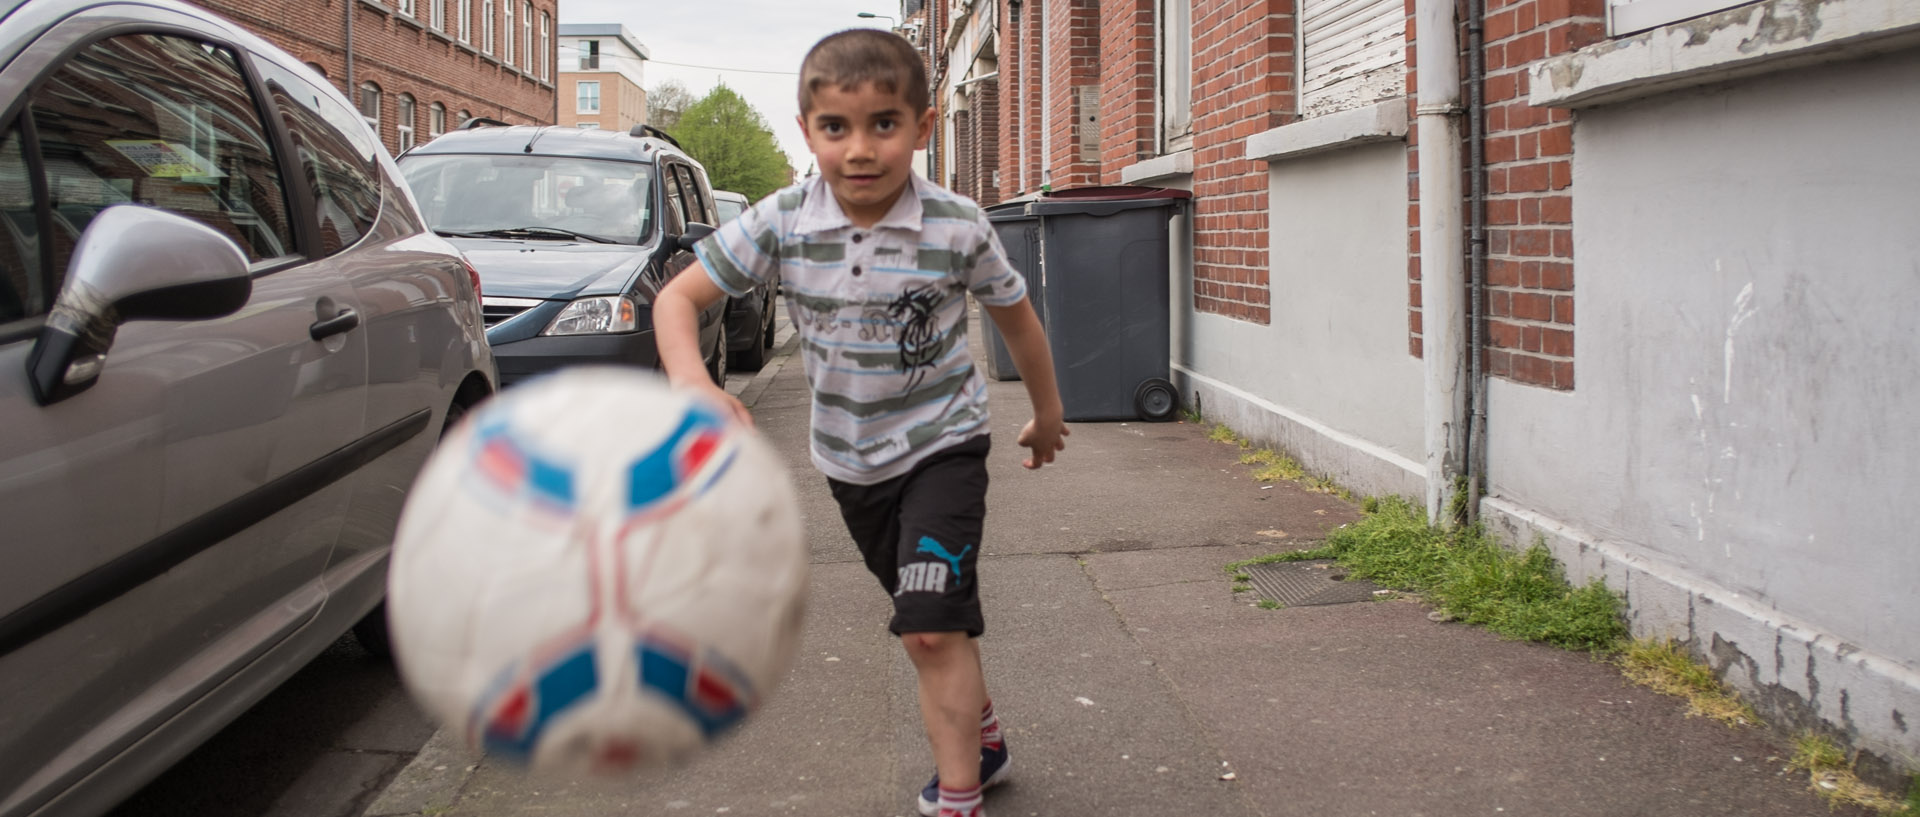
<point x="1128" y="85"/>
<point x="1529" y="154"/>
<point x="1073" y="34"/>
<point x="403" y="55"/>
<point x="1023" y="115"/>
<point x="1243" y="83"/>
<point x="984" y="103"/>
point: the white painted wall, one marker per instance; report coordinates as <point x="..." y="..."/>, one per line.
<point x="1333" y="364"/>
<point x="1748" y="373"/>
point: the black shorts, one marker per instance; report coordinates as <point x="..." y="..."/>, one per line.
<point x="920" y="536"/>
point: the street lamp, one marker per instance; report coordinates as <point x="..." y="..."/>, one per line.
<point x="868" y="15"/>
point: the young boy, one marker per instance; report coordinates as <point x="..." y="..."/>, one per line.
<point x="877" y="264"/>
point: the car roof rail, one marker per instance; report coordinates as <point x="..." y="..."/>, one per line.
<point x="644" y="130"/>
<point x="483" y="122"/>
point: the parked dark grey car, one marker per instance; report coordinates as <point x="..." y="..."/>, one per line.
<point x="749" y="318"/>
<point x="574" y="231"/>
<point x="227" y="345"/>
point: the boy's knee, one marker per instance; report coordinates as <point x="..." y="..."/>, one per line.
<point x="932" y="644"/>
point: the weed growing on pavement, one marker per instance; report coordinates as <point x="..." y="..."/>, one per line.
<point x="1268" y="604"/>
<point x="1830" y="774"/>
<point x="1665" y="667"/>
<point x="1220" y="433"/>
<point x="1470" y="577"/>
<point x="1240" y="587"/>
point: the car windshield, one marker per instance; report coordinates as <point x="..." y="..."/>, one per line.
<point x="534" y="197"/>
<point x="728" y="209"/>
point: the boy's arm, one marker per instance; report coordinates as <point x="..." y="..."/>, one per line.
<point x="1027" y="342"/>
<point x="676" y="331"/>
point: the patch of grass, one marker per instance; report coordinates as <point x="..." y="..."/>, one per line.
<point x="1242" y="577"/>
<point x="1470" y="577"/>
<point x="1220" y="433"/>
<point x="1268" y="604"/>
<point x="1664" y="666"/>
<point x="1913" y="796"/>
<point x="1830" y="774"/>
<point x="1242" y="587"/>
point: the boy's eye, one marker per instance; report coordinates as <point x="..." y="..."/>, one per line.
<point x="833" y="128"/>
<point x="884" y="125"/>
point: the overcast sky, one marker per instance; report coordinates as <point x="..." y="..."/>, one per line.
<point x="741" y="38"/>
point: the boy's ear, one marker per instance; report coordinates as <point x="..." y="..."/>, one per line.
<point x="926" y="128"/>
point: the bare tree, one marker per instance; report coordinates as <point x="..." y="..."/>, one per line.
<point x="665" y="103"/>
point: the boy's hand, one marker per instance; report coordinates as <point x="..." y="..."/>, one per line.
<point x="1044" y="438"/>
<point x="704" y="389"/>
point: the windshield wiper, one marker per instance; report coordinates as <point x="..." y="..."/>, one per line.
<point x="530" y="232"/>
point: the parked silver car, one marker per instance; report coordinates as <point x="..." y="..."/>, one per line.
<point x="227" y="344"/>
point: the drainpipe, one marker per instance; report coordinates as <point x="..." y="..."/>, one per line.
<point x="1443" y="279"/>
<point x="351" y="95"/>
<point x="1477" y="215"/>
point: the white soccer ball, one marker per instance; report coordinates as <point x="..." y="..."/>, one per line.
<point x="596" y="573"/>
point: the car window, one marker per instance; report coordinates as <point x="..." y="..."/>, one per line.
<point x="336" y="152"/>
<point x="22" y="293"/>
<point x="161" y="121"/>
<point x="533" y="197"/>
<point x="676" y="200"/>
<point x="699" y="204"/>
<point x="728" y="209"/>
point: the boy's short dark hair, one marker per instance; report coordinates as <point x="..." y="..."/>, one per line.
<point x="860" y="55"/>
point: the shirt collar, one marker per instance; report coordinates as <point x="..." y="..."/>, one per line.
<point x="821" y="212"/>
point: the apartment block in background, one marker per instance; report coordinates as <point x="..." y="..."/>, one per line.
<point x="602" y="77"/>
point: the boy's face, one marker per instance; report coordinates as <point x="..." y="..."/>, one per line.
<point x="864" y="140"/>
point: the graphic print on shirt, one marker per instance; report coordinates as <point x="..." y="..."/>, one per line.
<point x="919" y="334"/>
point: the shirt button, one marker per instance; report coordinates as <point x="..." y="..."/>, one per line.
<point x="856" y="269"/>
<point x="857" y="238"/>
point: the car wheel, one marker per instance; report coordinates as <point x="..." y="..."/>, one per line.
<point x="371" y="631"/>
<point x="766" y="339"/>
<point x="755" y="356"/>
<point x="717" y="369"/>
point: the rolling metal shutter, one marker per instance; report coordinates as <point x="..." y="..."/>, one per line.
<point x="1353" y="53"/>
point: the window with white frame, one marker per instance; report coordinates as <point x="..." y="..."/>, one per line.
<point x="1353" y="53"/>
<point x="588" y="94"/>
<point x="463" y="19"/>
<point x="546" y="46"/>
<point x="486" y="26"/>
<point x="404" y="7"/>
<point x="527" y="58"/>
<point x="589" y="55"/>
<point x="370" y="105"/>
<point x="437" y="14"/>
<point x="436" y="120"/>
<point x="1176" y="75"/>
<point x="403" y="120"/>
<point x="506" y="31"/>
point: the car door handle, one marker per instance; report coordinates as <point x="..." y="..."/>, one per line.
<point x="342" y="321"/>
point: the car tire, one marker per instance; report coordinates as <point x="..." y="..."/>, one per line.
<point x="755" y="357"/>
<point x="766" y="339"/>
<point x="371" y="631"/>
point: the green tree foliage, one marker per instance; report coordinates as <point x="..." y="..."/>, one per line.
<point x="732" y="139"/>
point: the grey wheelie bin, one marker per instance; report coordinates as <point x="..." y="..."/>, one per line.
<point x="1019" y="233"/>
<point x="1104" y="283"/>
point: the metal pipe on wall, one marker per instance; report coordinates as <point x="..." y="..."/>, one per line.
<point x="347" y="6"/>
<point x="1477" y="249"/>
<point x="1443" y="280"/>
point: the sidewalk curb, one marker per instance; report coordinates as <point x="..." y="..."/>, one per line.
<point x="432" y="782"/>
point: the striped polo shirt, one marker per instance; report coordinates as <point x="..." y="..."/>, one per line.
<point x="881" y="313"/>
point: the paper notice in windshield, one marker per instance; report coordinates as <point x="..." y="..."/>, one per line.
<point x="165" y="160"/>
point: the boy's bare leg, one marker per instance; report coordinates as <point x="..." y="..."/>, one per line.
<point x="953" y="691"/>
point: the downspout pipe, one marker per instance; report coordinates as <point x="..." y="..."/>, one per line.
<point x="351" y="95"/>
<point x="1477" y="249"/>
<point x="1443" y="274"/>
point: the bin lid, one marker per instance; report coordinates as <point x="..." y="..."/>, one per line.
<point x="1106" y="200"/>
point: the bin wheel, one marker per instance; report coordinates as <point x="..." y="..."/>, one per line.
<point x="1155" y="400"/>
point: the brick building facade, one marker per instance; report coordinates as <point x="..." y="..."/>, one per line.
<point x="1379" y="271"/>
<point x="419" y="67"/>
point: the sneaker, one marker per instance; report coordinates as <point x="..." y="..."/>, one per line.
<point x="995" y="765"/>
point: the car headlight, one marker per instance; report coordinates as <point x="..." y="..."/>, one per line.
<point x="599" y="315"/>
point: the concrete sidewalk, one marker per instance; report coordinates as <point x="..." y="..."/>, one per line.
<point x="1131" y="679"/>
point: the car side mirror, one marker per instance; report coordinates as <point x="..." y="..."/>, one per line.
<point x="695" y="232"/>
<point x="132" y="263"/>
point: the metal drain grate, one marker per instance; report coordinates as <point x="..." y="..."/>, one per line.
<point x="1304" y="584"/>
